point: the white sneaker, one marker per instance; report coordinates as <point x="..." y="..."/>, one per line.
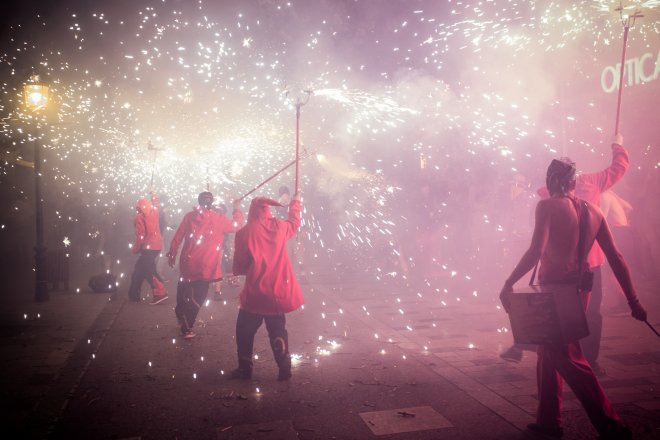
<point x="158" y="299"/>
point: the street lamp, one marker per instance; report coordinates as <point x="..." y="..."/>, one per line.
<point x="36" y="98"/>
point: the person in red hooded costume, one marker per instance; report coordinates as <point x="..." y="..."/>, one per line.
<point x="202" y="231"/>
<point x="271" y="289"/>
<point x="148" y="243"/>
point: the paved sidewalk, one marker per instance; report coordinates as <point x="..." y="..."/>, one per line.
<point x="38" y="340"/>
<point x="374" y="360"/>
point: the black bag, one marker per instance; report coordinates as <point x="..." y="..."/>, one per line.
<point x="103" y="283"/>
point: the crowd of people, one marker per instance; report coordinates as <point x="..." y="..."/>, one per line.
<point x="259" y="253"/>
<point x="211" y="245"/>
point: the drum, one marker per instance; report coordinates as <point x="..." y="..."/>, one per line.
<point x="547" y="314"/>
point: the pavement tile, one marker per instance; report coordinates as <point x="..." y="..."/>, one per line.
<point x="400" y="420"/>
<point x="276" y="430"/>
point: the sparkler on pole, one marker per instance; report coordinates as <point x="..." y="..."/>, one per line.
<point x="299" y="103"/>
<point x="627" y="20"/>
<point x="295" y="161"/>
<point x="151" y="147"/>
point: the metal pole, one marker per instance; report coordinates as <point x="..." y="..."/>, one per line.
<point x="623" y="63"/>
<point x="297" y="144"/>
<point x="305" y="154"/>
<point x="41" y="290"/>
<point x="652" y="328"/>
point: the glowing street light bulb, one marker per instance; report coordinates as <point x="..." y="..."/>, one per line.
<point x="36" y="95"/>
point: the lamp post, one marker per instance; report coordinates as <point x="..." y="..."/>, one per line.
<point x="36" y="98"/>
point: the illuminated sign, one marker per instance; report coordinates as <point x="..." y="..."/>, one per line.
<point x="640" y="70"/>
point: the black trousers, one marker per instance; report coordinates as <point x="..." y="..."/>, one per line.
<point x="190" y="297"/>
<point x="591" y="344"/>
<point x="145" y="269"/>
<point x="247" y="325"/>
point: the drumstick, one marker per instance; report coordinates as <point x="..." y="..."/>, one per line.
<point x="652" y="328"/>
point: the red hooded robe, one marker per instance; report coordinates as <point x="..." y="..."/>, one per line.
<point x="147" y="229"/>
<point x="204" y="231"/>
<point x="261" y="255"/>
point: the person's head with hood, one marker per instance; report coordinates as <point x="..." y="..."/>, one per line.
<point x="260" y="208"/>
<point x="143" y="206"/>
<point x="561" y="177"/>
<point x="205" y="200"/>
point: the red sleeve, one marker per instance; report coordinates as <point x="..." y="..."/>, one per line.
<point x="241" y="262"/>
<point x="294" y="218"/>
<point x="155" y="201"/>
<point x="603" y="180"/>
<point x="178" y="235"/>
<point x="140" y="231"/>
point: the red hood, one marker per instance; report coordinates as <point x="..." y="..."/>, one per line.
<point x="144" y="206"/>
<point x="260" y="208"/>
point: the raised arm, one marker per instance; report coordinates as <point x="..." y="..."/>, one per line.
<point x="294" y="216"/>
<point x="605" y="179"/>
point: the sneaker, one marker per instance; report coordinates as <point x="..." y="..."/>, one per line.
<point x="158" y="299"/>
<point x="550" y="431"/>
<point x="241" y="374"/>
<point x="189" y="335"/>
<point x="284" y="374"/>
<point x="513" y="354"/>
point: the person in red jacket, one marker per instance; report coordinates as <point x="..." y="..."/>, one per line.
<point x="555" y="243"/>
<point x="589" y="186"/>
<point x="202" y="231"/>
<point x="271" y="289"/>
<point x="148" y="243"/>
